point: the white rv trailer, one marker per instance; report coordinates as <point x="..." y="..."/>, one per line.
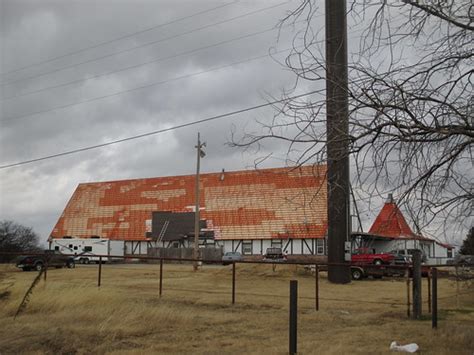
<point x="86" y="250"/>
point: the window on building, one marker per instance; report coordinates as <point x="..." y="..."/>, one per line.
<point x="450" y="253"/>
<point x="247" y="247"/>
<point x="320" y="246"/>
<point x="276" y="243"/>
<point x="56" y="247"/>
<point x="87" y="248"/>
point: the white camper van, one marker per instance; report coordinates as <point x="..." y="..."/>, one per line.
<point x="86" y="250"/>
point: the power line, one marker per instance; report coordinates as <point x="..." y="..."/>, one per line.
<point x="118" y="38"/>
<point x="143" y="135"/>
<point x="156" y="60"/>
<point x="139" y="87"/>
<point x="140" y="46"/>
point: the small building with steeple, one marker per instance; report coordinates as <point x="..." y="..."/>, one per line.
<point x="390" y="232"/>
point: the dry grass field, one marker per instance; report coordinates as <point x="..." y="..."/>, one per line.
<point x="69" y="314"/>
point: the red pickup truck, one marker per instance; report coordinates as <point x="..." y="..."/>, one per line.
<point x="390" y="264"/>
<point x="364" y="256"/>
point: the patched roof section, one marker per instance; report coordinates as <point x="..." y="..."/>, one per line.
<point x="391" y="223"/>
<point x="266" y="203"/>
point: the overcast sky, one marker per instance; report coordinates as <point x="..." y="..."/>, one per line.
<point x="81" y="73"/>
<point x="191" y="74"/>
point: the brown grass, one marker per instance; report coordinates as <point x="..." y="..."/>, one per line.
<point x="69" y="314"/>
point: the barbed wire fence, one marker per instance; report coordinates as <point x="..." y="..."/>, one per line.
<point x="463" y="277"/>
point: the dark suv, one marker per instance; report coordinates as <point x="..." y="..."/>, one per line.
<point x="38" y="262"/>
<point x="274" y="255"/>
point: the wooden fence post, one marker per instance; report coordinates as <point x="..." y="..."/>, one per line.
<point x="45" y="272"/>
<point x="429" y="291"/>
<point x="99" y="276"/>
<point x="408" y="293"/>
<point x="434" y="301"/>
<point x="233" y="282"/>
<point x="293" y="316"/>
<point x="161" y="276"/>
<point x="417" y="284"/>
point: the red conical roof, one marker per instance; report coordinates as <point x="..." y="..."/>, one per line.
<point x="391" y="223"/>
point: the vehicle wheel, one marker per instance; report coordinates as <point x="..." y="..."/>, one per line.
<point x="378" y="262"/>
<point x="357" y="274"/>
<point x="85" y="261"/>
<point x="39" y="266"/>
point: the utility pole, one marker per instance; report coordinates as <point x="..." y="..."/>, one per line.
<point x="200" y="154"/>
<point x="337" y="139"/>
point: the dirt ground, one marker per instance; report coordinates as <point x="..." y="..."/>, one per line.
<point x="69" y="314"/>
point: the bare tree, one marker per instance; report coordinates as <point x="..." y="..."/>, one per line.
<point x="410" y="96"/>
<point x="16" y="238"/>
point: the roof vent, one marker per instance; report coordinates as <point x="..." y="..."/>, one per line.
<point x="389" y="198"/>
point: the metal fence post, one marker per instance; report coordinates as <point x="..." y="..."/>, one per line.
<point x="317" y="287"/>
<point x="161" y="276"/>
<point x="233" y="282"/>
<point x="434" y="301"/>
<point x="293" y="316"/>
<point x="99" y="276"/>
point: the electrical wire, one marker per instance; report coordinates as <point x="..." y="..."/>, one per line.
<point x="77" y="51"/>
<point x="139" y="87"/>
<point x="141" y="45"/>
<point x="155" y="60"/>
<point x="143" y="135"/>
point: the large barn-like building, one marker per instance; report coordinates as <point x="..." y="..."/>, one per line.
<point x="245" y="211"/>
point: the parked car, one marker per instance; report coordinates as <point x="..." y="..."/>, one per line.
<point x="274" y="255"/>
<point x="409" y="254"/>
<point x="230" y="257"/>
<point x="365" y="256"/>
<point x="50" y="257"/>
<point x="401" y="259"/>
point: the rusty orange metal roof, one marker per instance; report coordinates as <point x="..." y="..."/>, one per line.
<point x="262" y="204"/>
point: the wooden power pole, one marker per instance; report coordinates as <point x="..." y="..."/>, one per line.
<point x="337" y="139"/>
<point x="200" y="154"/>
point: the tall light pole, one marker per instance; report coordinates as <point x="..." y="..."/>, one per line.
<point x="200" y="154"/>
<point x="337" y="139"/>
